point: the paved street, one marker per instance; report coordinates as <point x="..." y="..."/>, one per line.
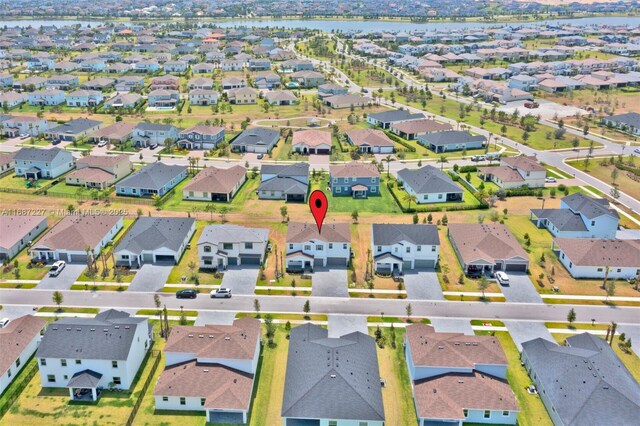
<point x="150" y="277"/>
<point x="451" y="325"/>
<point x="67" y="277"/>
<point x="241" y="279"/>
<point x="328" y="305"/>
<point x="520" y="289"/>
<point x="329" y="282"/>
<point x="215" y="317"/>
<point x="523" y="331"/>
<point x="339" y="324"/>
<point x="423" y="285"/>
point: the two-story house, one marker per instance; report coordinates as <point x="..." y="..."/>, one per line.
<point x="84" y="98"/>
<point x="88" y="354"/>
<point x="48" y="97"/>
<point x="34" y="163"/>
<point x="579" y="216"/>
<point x="514" y="172"/>
<point x="358" y="180"/>
<point x="220" y="246"/>
<point x="145" y="134"/>
<point x="62" y="82"/>
<point x="469" y="372"/>
<point x="99" y="171"/>
<point x="161" y="98"/>
<point x="211" y="368"/>
<point x="203" y="97"/>
<point x="307" y="248"/>
<point x="244" y="95"/>
<point x="397" y="247"/>
<point x="201" y="136"/>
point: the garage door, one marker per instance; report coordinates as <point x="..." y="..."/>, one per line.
<point x="76" y="258"/>
<point x="250" y="260"/>
<point x="322" y="151"/>
<point x="406" y="265"/>
<point x="232" y="261"/>
<point x="336" y="261"/>
<point x="516" y="267"/>
<point x="165" y="258"/>
<point x="317" y="262"/>
<point x="147" y="257"/>
<point x="425" y="263"/>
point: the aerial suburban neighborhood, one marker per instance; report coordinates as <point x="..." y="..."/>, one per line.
<point x="302" y="213"/>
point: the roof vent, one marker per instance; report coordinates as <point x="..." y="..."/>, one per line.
<point x="126" y="327"/>
<point x="333" y="376"/>
<point x="68" y="328"/>
<point x="206" y="370"/>
<point x="105" y="329"/>
<point x="460" y="381"/>
<point x="211" y="336"/>
<point x="117" y="327"/>
<point x="92" y="329"/>
<point x="201" y="336"/>
<point x="227" y="338"/>
<point x="190" y="335"/>
<point x="55" y="328"/>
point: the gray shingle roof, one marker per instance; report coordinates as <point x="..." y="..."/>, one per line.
<point x="589" y="207"/>
<point x="332" y="378"/>
<point x="78" y="125"/>
<point x="563" y="219"/>
<point x="84" y="379"/>
<point x="428" y="180"/>
<point x="154" y="127"/>
<point x="586" y="382"/>
<point x="395" y="115"/>
<point x="385" y="234"/>
<point x="257" y="136"/>
<point x="450" y="138"/>
<point x="629" y="119"/>
<point x="106" y="336"/>
<point x="287" y="170"/>
<point x="153" y="176"/>
<point x="284" y="184"/>
<point x="151" y="233"/>
<point x="35" y="154"/>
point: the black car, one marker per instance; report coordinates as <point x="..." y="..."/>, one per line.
<point x="186" y="294"/>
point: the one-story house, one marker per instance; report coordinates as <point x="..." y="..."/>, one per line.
<point x="452" y="140"/>
<point x="386" y="119"/>
<point x="73" y="130"/>
<point x="487" y="247"/>
<point x="628" y="122"/>
<point x="514" y="172"/>
<point x="371" y="141"/>
<point x="154" y="179"/>
<point x="256" y="139"/>
<point x="170" y="238"/>
<point x="410" y="130"/>
<point x="114" y="133"/>
<point x="347" y="101"/>
<point x="430" y="185"/>
<point x="597" y="258"/>
<point x="289" y="182"/>
<point x="215" y="184"/>
<point x="311" y="142"/>
<point x="16" y="232"/>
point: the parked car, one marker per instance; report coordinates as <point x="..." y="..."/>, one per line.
<point x="503" y="279"/>
<point x="260" y="156"/>
<point x="56" y="268"/>
<point x="474" y="272"/>
<point x="531" y="105"/>
<point x="186" y="294"/>
<point x="4" y="322"/>
<point x="478" y="158"/>
<point x="153" y="146"/>
<point x="221" y="293"/>
<point x="24" y="136"/>
<point x="102" y="143"/>
<point x="637" y="150"/>
<point x="55" y="142"/>
<point x="550" y="179"/>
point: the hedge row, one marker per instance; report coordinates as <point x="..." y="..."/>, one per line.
<point x="400" y="141"/>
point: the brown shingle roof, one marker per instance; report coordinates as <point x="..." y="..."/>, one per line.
<point x="14" y="228"/>
<point x="445" y="397"/>
<point x="488" y="242"/>
<point x="371" y="137"/>
<point x="221" y="386"/>
<point x="15" y="337"/>
<point x="75" y="233"/>
<point x="237" y="341"/>
<point x="504" y="173"/>
<point x="429" y="348"/>
<point x="216" y="180"/>
<point x="311" y="138"/>
<point x="90" y="174"/>
<point x="6" y="157"/>
<point x="524" y="162"/>
<point x="357" y="170"/>
<point x="301" y="232"/>
<point x="202" y="129"/>
<point x="601" y="252"/>
<point x="421" y="126"/>
<point x="118" y="130"/>
<point x="101" y="160"/>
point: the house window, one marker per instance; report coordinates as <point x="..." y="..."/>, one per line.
<point x="363" y="424"/>
<point x="63" y="362"/>
<point x="248" y="246"/>
<point x="418" y="248"/>
<point x="190" y="193"/>
<point x="51" y="378"/>
<point x="290" y="246"/>
<point x="433" y="248"/>
<point x="570" y="264"/>
<point x="307" y="247"/>
<point x="207" y="249"/>
<point x="338" y="189"/>
<point x="599" y="269"/>
<point x="18" y="362"/>
<point x="117" y="381"/>
<point x="319" y="247"/>
<point x="330" y="246"/>
<point x="379" y="248"/>
<point x="487" y="414"/>
<point x="373" y="189"/>
<point x="114" y="364"/>
<point x="344" y="246"/>
<point x="165" y="398"/>
<point x="65" y="377"/>
<point x="333" y="423"/>
<point x="78" y="361"/>
<point x="335" y="180"/>
<point x="183" y="400"/>
<point x="43" y="361"/>
<point x="465" y="412"/>
<point x="408" y="249"/>
<point x="207" y="262"/>
<point x="227" y="246"/>
<point x="593" y="223"/>
<point x="439" y="196"/>
<point x="505" y="413"/>
<point x="202" y="400"/>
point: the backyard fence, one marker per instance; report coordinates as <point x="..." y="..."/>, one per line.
<point x="145" y="387"/>
<point x="26" y="375"/>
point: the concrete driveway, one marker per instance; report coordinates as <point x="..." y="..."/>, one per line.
<point x="241" y="279"/>
<point x="215" y="317"/>
<point x="452" y="325"/>
<point x="340" y="324"/>
<point x="520" y="289"/>
<point x="523" y="331"/>
<point x="150" y="277"/>
<point x="13" y="312"/>
<point x="329" y="282"/>
<point x="423" y="284"/>
<point x="67" y="277"/>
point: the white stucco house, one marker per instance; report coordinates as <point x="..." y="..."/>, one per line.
<point x="397" y="248"/>
<point x="596" y="258"/>
<point x="308" y="248"/>
<point x="222" y="245"/>
<point x="18" y="341"/>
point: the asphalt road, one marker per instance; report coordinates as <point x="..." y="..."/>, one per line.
<point x="328" y="305"/>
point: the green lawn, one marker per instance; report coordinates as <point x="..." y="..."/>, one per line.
<point x="34" y="272"/>
<point x="383" y="203"/>
<point x="63" y="189"/>
<point x="176" y="203"/>
<point x="11" y="181"/>
<point x="189" y="264"/>
<point x="468" y="200"/>
<point x="55" y="309"/>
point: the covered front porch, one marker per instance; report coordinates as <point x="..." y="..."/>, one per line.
<point x="84" y="386"/>
<point x="388" y="264"/>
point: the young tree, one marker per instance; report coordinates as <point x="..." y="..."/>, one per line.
<point x="284" y="212"/>
<point x="571" y="316"/>
<point x="409" y="311"/>
<point x="610" y="288"/>
<point x="256" y="307"/>
<point x="306" y="308"/>
<point x="483" y="284"/>
<point x="58" y="298"/>
<point x="354" y="216"/>
<point x="270" y="328"/>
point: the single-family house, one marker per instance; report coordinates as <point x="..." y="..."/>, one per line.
<point x="34" y="163"/>
<point x="347" y="101"/>
<point x="84" y="98"/>
<point x="73" y="130"/>
<point x="115" y="133"/>
<point x="331" y="89"/>
<point x="47" y="97"/>
<point x="18" y="232"/>
<point x="233" y="83"/>
<point x="75" y="238"/>
<point x="451" y="140"/>
<point x="487" y="247"/>
<point x="266" y="80"/>
<point x="387" y="118"/>
<point x="153" y="179"/>
<point x="220" y="246"/>
<point x="311" y="142"/>
<point x="579" y="216"/>
<point x="129" y="83"/>
<point x="203" y="68"/>
<point x="397" y="248"/>
<point x="358" y="180"/>
<point x="211" y="368"/>
<point x="145" y="134"/>
<point x="99" y="84"/>
<point x="515" y="172"/>
<point x="16" y="125"/>
<point x="62" y="82"/>
<point x="200" y="83"/>
<point x="256" y="139"/>
<point x="430" y="185"/>
<point x="18" y="342"/>
<point x="308" y="78"/>
<point x="166" y="82"/>
<point x="331" y="380"/>
<point x="280" y="97"/>
<point x="628" y="122"/>
<point x="89" y="354"/>
<point x="161" y="98"/>
<point x="12" y="99"/>
<point x="201" y="136"/>
<point x="244" y="95"/>
<point x="203" y="97"/>
<point x="307" y="248"/>
<point x="175" y="66"/>
<point x="371" y="141"/>
<point x="154" y="240"/>
<point x="410" y="130"/>
<point x="215" y="184"/>
<point x="599" y="258"/>
<point x="289" y="182"/>
<point x="99" y="171"/>
<point x="123" y="101"/>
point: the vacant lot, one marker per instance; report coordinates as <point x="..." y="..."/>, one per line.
<point x="626" y="181"/>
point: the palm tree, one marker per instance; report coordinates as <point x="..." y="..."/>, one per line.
<point x="388" y="159"/>
<point x="442" y="160"/>
<point x="211" y="209"/>
<point x="411" y="199"/>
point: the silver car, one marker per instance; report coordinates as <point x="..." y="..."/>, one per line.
<point x="503" y="279"/>
<point x="221" y="293"/>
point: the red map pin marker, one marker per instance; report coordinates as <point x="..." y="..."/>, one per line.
<point x="318" y="205"/>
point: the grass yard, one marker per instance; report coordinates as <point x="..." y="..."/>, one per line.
<point x="383" y="203"/>
<point x="11" y="181"/>
<point x="188" y="265"/>
<point x="602" y="170"/>
<point x="469" y="201"/>
<point x="246" y="192"/>
<point x="55" y="309"/>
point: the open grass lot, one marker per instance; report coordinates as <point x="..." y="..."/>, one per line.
<point x="383" y="203"/>
<point x="451" y="109"/>
<point x="630" y="360"/>
<point x="188" y="265"/>
<point x="616" y="101"/>
<point x="602" y="170"/>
